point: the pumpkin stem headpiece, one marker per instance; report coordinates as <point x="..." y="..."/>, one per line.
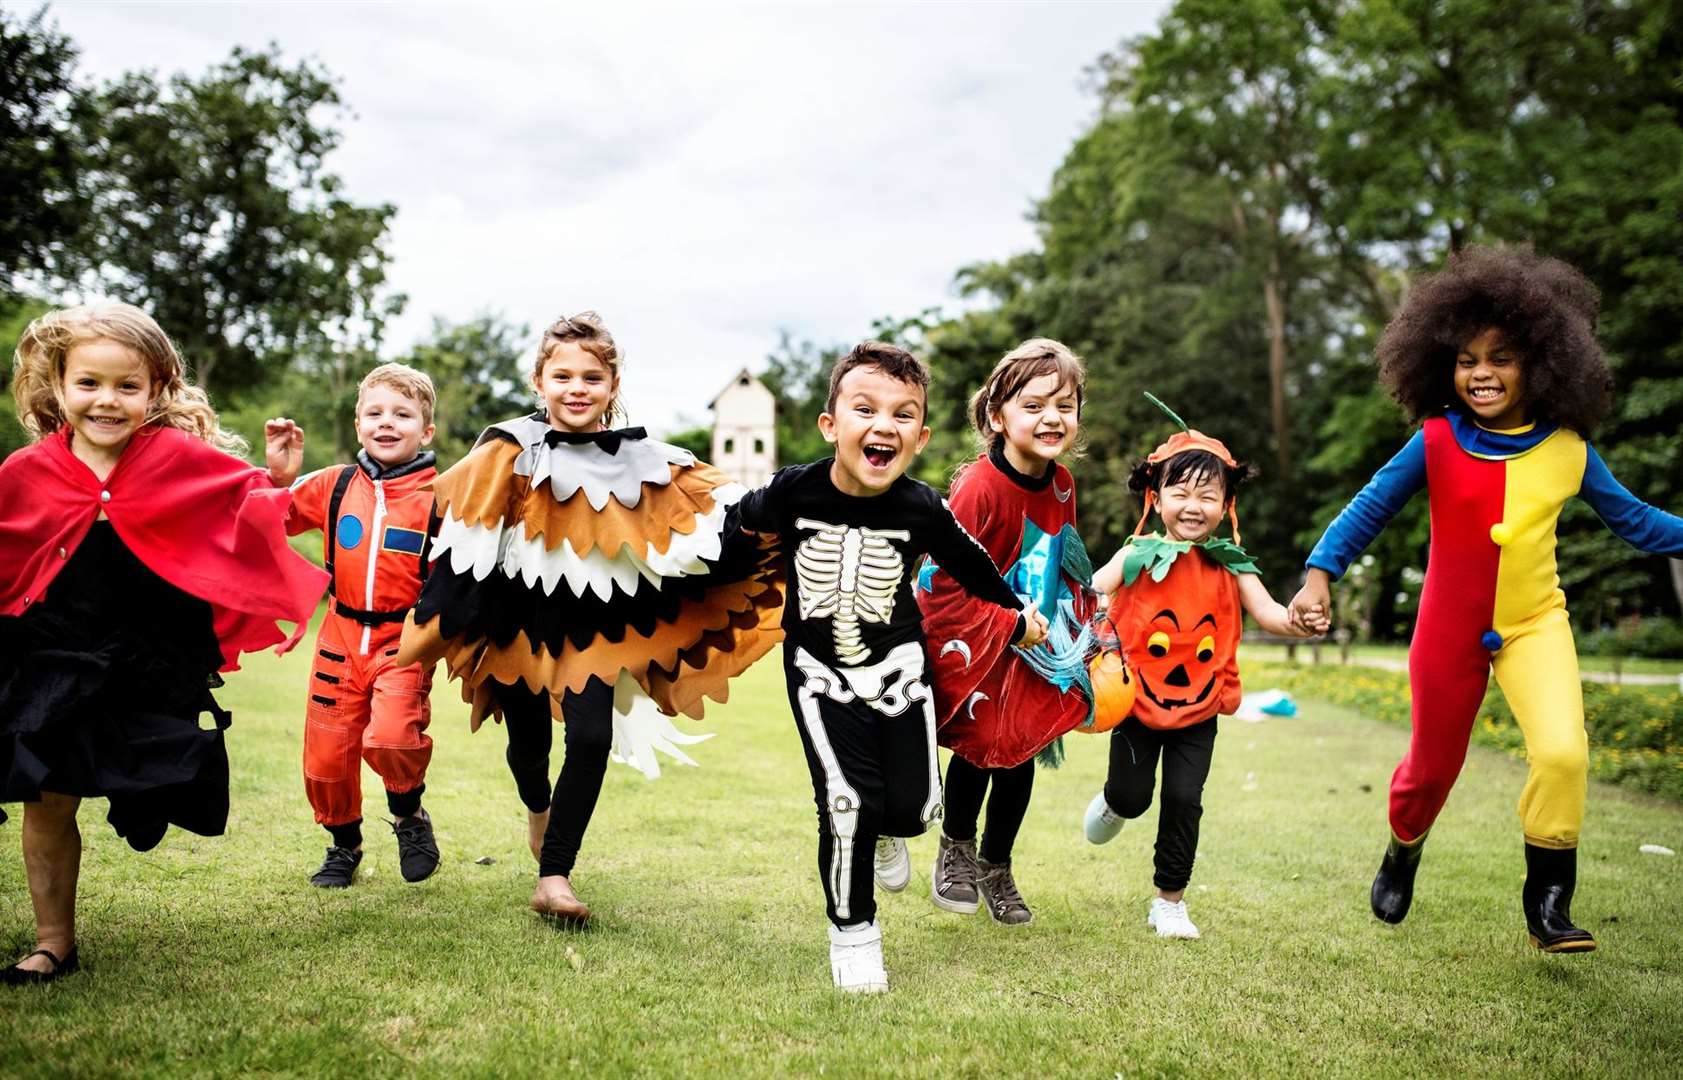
<point x="1179" y="443"/>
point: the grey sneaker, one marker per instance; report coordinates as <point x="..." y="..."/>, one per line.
<point x="999" y="891"/>
<point x="953" y="881"/>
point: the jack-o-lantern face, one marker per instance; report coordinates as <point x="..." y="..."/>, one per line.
<point x="1181" y="636"/>
<point x="1177" y="669"/>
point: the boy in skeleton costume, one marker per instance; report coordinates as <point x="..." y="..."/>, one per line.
<point x="853" y="529"/>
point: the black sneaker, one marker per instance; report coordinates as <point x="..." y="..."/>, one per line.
<point x="338" y="870"/>
<point x="953" y="881"/>
<point x="999" y="893"/>
<point x="417" y="851"/>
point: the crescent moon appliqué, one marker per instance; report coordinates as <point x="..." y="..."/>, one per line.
<point x="970" y="706"/>
<point x="957" y="645"/>
<point x="1063" y="496"/>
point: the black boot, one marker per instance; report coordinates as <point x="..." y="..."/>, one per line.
<point x="1393" y="886"/>
<point x="1550" y="876"/>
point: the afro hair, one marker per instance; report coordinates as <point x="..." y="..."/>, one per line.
<point x="1544" y="308"/>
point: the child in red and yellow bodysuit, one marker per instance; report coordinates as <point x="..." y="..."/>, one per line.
<point x="364" y="705"/>
<point x="1496" y="357"/>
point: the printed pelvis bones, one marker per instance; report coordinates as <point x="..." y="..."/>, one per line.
<point x="848" y="575"/>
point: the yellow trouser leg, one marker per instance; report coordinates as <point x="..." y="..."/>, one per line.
<point x="1538" y="673"/>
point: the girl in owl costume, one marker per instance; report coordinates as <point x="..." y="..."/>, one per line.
<point x="577" y="569"/>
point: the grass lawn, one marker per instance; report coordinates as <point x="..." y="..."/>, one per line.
<point x="1398" y="654"/>
<point x="708" y="953"/>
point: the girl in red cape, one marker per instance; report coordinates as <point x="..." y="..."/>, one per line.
<point x="997" y="706"/>
<point x="140" y="558"/>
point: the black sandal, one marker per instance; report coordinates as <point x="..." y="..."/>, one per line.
<point x="21" y="976"/>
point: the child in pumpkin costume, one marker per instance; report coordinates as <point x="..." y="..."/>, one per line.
<point x="1496" y="357"/>
<point x="997" y="707"/>
<point x="575" y="568"/>
<point x="1176" y="603"/>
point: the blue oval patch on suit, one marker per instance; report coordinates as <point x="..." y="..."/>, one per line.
<point x="349" y="534"/>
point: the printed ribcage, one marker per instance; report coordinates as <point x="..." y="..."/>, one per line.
<point x="850" y="576"/>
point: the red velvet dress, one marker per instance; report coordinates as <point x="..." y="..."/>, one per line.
<point x="992" y="708"/>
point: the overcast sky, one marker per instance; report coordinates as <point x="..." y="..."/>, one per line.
<point x="703" y="175"/>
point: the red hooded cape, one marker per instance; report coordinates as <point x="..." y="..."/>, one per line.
<point x="207" y="523"/>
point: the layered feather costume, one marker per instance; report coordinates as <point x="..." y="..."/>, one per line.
<point x="564" y="556"/>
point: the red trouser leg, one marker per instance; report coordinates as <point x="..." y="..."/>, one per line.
<point x="1448" y="675"/>
<point x="395" y="743"/>
<point x="333" y="725"/>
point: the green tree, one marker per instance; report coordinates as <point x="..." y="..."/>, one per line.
<point x="210" y="206"/>
<point x="41" y="208"/>
<point x="477" y="370"/>
<point x="798" y="375"/>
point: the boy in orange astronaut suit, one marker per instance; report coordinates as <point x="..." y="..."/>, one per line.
<point x="374" y="516"/>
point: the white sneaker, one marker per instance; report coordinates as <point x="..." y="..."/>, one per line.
<point x="1170" y="920"/>
<point x="856" y="959"/>
<point x="894" y="863"/>
<point x="1101" y="824"/>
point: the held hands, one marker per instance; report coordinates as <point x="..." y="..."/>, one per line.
<point x="1034" y="627"/>
<point x="1310" y="611"/>
<point x="283" y="450"/>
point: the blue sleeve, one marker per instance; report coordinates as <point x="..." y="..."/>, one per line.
<point x="1635" y="522"/>
<point x="1372" y="509"/>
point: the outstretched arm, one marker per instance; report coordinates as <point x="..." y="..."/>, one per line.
<point x="1645" y="527"/>
<point x="1372" y="509"/>
<point x="1272" y="616"/>
<point x="754" y="513"/>
<point x="1108" y="578"/>
<point x="1354" y="529"/>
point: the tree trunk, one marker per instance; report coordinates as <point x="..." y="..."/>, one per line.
<point x="1274" y="298"/>
<point x="1676" y="566"/>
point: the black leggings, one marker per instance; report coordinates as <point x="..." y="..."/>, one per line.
<point x="1186" y="754"/>
<point x="589" y="736"/>
<point x="1007" y="806"/>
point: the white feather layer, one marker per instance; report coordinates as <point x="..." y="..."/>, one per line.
<point x="478" y="550"/>
<point x="642" y="731"/>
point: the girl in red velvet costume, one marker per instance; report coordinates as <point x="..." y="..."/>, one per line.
<point x="139" y="558"/>
<point x="996" y="708"/>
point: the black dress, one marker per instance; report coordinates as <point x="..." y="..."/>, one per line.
<point x="101" y="688"/>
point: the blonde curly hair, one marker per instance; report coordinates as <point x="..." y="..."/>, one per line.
<point x="38" y="371"/>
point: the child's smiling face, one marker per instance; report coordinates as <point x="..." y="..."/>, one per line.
<point x="1192" y="506"/>
<point x="106" y="392"/>
<point x="576" y="388"/>
<point x="877" y="428"/>
<point x="1038" y="423"/>
<point x="390" y="425"/>
<point x="1490" y="380"/>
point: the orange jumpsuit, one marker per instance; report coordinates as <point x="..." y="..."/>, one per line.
<point x="363" y="706"/>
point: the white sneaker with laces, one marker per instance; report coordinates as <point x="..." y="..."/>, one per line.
<point x="856" y="959"/>
<point x="894" y="863"/>
<point x="1170" y="920"/>
<point x="1101" y="824"/>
